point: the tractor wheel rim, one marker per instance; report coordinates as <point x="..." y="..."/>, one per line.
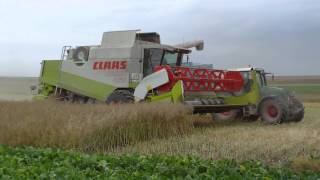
<point x="272" y="111"/>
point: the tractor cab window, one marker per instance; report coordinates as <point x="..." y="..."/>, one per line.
<point x="247" y="81"/>
<point x="261" y="79"/>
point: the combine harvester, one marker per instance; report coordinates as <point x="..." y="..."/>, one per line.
<point x="132" y="67"/>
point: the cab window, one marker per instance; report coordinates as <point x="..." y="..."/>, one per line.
<point x="260" y="79"/>
<point x="170" y="58"/>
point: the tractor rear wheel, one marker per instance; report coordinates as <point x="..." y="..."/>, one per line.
<point x="296" y="110"/>
<point x="298" y="116"/>
<point x="120" y="97"/>
<point x="273" y="111"/>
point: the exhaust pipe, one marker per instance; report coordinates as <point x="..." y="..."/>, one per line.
<point x="199" y="44"/>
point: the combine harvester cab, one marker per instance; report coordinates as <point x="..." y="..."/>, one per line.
<point x="129" y="66"/>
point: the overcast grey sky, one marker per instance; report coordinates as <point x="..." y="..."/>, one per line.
<point x="283" y="36"/>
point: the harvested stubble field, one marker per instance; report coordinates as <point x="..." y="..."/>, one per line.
<point x="272" y="144"/>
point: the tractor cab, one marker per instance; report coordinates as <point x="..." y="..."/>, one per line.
<point x="260" y="77"/>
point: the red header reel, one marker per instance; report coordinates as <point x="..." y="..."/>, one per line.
<point x="202" y="79"/>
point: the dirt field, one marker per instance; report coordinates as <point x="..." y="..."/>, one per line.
<point x="306" y="88"/>
<point x="16" y="88"/>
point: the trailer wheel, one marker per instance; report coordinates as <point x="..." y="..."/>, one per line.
<point x="226" y="116"/>
<point x="273" y="111"/>
<point x="120" y="97"/>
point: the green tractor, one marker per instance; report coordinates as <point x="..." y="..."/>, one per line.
<point x="271" y="104"/>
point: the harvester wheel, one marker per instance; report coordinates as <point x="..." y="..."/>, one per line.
<point x="120" y="96"/>
<point x="69" y="97"/>
<point x="82" y="99"/>
<point x="273" y="111"/>
<point x="91" y="101"/>
<point x="226" y="116"/>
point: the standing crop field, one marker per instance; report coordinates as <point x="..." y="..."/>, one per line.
<point x="89" y="127"/>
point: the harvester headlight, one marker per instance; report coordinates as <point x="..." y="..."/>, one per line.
<point x="135" y="77"/>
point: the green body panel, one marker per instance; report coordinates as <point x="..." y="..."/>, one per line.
<point x="84" y="86"/>
<point x="52" y="77"/>
<point x="44" y="92"/>
<point x="49" y="77"/>
<point x="252" y="97"/>
<point x="133" y="84"/>
<point x="176" y="94"/>
<point x="50" y="72"/>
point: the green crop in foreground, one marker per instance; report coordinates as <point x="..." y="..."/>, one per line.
<point x="31" y="163"/>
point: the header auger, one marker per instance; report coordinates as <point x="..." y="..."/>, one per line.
<point x="130" y="67"/>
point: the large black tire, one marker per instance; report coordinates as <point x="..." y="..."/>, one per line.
<point x="120" y="97"/>
<point x="298" y="116"/>
<point x="226" y="116"/>
<point x="273" y="111"/>
<point x="296" y="110"/>
<point x="69" y="97"/>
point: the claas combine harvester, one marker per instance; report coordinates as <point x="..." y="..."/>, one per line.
<point x="133" y="67"/>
